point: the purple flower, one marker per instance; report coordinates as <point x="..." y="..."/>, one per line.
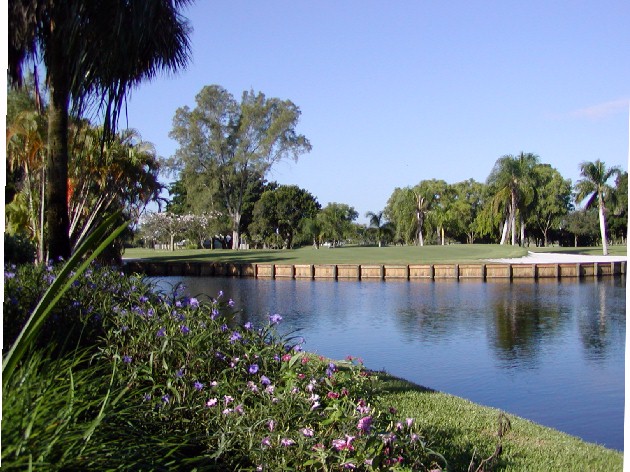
<point x="198" y="385"/>
<point x="179" y="374"/>
<point x="161" y="333"/>
<point x="308" y="432"/>
<point x="231" y="303"/>
<point x="365" y="424"/>
<point x="127" y="359"/>
<point x="253" y="369"/>
<point x="286" y="442"/>
<point x="184" y="329"/>
<point x="215" y="313"/>
<point x="193" y="302"/>
<point x="143" y="299"/>
<point x="220" y="294"/>
<point x="236" y="336"/>
<point x="9" y="275"/>
<point x="248" y="325"/>
<point x="166" y="398"/>
<point x="275" y="319"/>
<point x="264" y="380"/>
<point x="266" y="442"/>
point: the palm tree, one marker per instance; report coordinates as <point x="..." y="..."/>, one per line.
<point x="25" y="151"/>
<point x="594" y="186"/>
<point x="94" y="52"/>
<point x="512" y="179"/>
<point x="379" y="225"/>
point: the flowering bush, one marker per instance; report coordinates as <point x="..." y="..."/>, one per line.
<point x="198" y="390"/>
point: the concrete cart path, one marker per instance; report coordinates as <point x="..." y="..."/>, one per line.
<point x="557" y="258"/>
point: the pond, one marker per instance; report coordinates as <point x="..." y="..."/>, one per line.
<point x="549" y="351"/>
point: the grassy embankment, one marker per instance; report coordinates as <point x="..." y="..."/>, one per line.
<point x="458" y="428"/>
<point x="457" y="253"/>
<point x="461" y="430"/>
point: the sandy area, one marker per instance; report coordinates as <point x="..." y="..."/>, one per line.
<point x="556" y="258"/>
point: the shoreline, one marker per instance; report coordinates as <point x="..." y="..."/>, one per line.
<point x="533" y="266"/>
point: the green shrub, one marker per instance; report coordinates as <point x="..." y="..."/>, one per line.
<point x="18" y="249"/>
<point x="171" y="383"/>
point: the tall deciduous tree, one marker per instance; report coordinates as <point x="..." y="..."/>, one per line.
<point x="401" y="210"/>
<point x="93" y="53"/>
<point x="280" y="212"/>
<point x="594" y="188"/>
<point x="336" y="221"/>
<point x="224" y="145"/>
<point x="553" y="199"/>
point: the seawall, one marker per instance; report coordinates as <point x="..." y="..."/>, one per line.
<point x="379" y="271"/>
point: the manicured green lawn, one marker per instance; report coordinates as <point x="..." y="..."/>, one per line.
<point x="460" y="429"/>
<point x="456" y="253"/>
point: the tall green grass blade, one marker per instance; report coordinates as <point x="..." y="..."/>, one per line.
<point x="57" y="290"/>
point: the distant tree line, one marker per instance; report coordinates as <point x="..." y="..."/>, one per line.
<point x="220" y="196"/>
<point x="226" y="149"/>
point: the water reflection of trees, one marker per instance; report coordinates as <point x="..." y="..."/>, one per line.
<point x="601" y="318"/>
<point x="526" y="316"/>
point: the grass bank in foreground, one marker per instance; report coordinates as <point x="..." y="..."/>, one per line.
<point x="452" y="254"/>
<point x="463" y="430"/>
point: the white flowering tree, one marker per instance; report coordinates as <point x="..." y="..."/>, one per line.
<point x="162" y="228"/>
<point x="166" y="227"/>
<point x="200" y="228"/>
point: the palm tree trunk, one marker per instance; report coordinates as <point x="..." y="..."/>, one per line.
<point x="602" y="225"/>
<point x="57" y="175"/>
<point x="504" y="232"/>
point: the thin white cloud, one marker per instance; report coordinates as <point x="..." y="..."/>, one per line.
<point x="601" y="110"/>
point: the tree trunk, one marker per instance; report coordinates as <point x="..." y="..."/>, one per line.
<point x="522" y="231"/>
<point x="506" y="226"/>
<point x="602" y="225"/>
<point x="58" y="240"/>
<point x="236" y="222"/>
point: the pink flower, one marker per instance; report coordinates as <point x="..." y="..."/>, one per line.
<point x="343" y="444"/>
<point x="308" y="432"/>
<point x="271" y="424"/>
<point x="363" y="407"/>
<point x="228" y="399"/>
<point x="266" y="442"/>
<point x="409" y="422"/>
<point x="286" y="442"/>
<point x="332" y="395"/>
<point x="212" y="402"/>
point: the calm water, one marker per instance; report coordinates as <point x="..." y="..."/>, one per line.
<point x="552" y="352"/>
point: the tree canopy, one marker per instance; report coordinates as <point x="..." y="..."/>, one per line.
<point x="226" y="146"/>
<point x="93" y="52"/>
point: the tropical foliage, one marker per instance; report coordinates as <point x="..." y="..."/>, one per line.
<point x="92" y="53"/>
<point x="120" y="173"/>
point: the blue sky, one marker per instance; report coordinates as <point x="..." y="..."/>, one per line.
<point x="392" y="93"/>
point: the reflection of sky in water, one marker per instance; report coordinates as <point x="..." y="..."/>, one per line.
<point x="550" y="351"/>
